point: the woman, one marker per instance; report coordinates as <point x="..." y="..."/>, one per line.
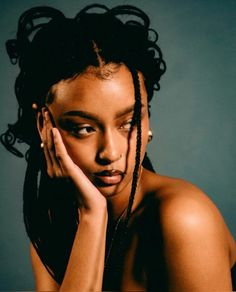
<point x="97" y="215"/>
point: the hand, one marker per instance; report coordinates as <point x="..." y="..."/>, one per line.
<point x="60" y="165"/>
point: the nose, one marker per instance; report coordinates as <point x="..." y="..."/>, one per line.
<point x="109" y="149"/>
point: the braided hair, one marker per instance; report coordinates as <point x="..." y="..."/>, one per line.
<point x="49" y="48"/>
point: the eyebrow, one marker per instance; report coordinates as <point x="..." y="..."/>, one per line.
<point x="94" y="117"/>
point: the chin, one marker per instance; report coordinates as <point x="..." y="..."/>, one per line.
<point x="113" y="189"/>
<point x="109" y="191"/>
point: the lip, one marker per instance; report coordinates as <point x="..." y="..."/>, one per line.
<point x="108" y="177"/>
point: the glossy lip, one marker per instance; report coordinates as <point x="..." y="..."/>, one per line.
<point x="108" y="177"/>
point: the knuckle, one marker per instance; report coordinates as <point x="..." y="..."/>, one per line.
<point x="55" y="141"/>
<point x="59" y="156"/>
<point x="49" y="172"/>
<point x="45" y="143"/>
<point x="51" y="148"/>
<point x="58" y="174"/>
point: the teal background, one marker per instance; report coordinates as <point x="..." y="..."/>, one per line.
<point x="193" y="116"/>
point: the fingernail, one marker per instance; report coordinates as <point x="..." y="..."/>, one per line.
<point x="45" y="115"/>
<point x="43" y="111"/>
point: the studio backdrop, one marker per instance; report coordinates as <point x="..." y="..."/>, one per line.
<point x="193" y="116"/>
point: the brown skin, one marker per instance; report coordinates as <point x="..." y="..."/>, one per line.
<point x="178" y="240"/>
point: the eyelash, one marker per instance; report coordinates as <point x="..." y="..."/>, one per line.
<point x="76" y="130"/>
<point x="130" y="123"/>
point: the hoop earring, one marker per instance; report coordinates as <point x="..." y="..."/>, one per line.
<point x="150" y="135"/>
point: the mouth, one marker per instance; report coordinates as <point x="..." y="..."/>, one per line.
<point x="108" y="177"/>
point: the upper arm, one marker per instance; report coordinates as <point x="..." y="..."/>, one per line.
<point x="195" y="245"/>
<point x="43" y="280"/>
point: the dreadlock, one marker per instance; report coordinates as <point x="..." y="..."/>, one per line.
<point x="137" y="121"/>
<point x="58" y="48"/>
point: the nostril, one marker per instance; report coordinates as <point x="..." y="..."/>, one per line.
<point x="102" y="161"/>
<point x="109" y="149"/>
<point x="107" y="158"/>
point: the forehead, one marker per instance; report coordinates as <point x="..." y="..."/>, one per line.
<point x="90" y="91"/>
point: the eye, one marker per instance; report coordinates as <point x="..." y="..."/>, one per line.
<point x="82" y="131"/>
<point x="127" y="125"/>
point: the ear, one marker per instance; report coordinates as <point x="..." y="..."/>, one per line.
<point x="39" y="118"/>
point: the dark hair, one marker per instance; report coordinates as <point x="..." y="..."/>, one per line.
<point x="50" y="47"/>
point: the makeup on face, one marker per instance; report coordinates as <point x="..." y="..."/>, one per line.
<point x="108" y="177"/>
<point x="96" y="120"/>
<point x="82" y="123"/>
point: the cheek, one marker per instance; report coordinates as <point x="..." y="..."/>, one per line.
<point x="80" y="152"/>
<point x="144" y="145"/>
<point x="145" y="129"/>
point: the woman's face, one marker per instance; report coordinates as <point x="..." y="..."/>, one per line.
<point x="94" y="117"/>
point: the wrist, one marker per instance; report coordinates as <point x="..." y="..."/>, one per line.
<point x="100" y="212"/>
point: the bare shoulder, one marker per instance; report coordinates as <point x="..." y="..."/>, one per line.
<point x="188" y="215"/>
<point x="196" y="240"/>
